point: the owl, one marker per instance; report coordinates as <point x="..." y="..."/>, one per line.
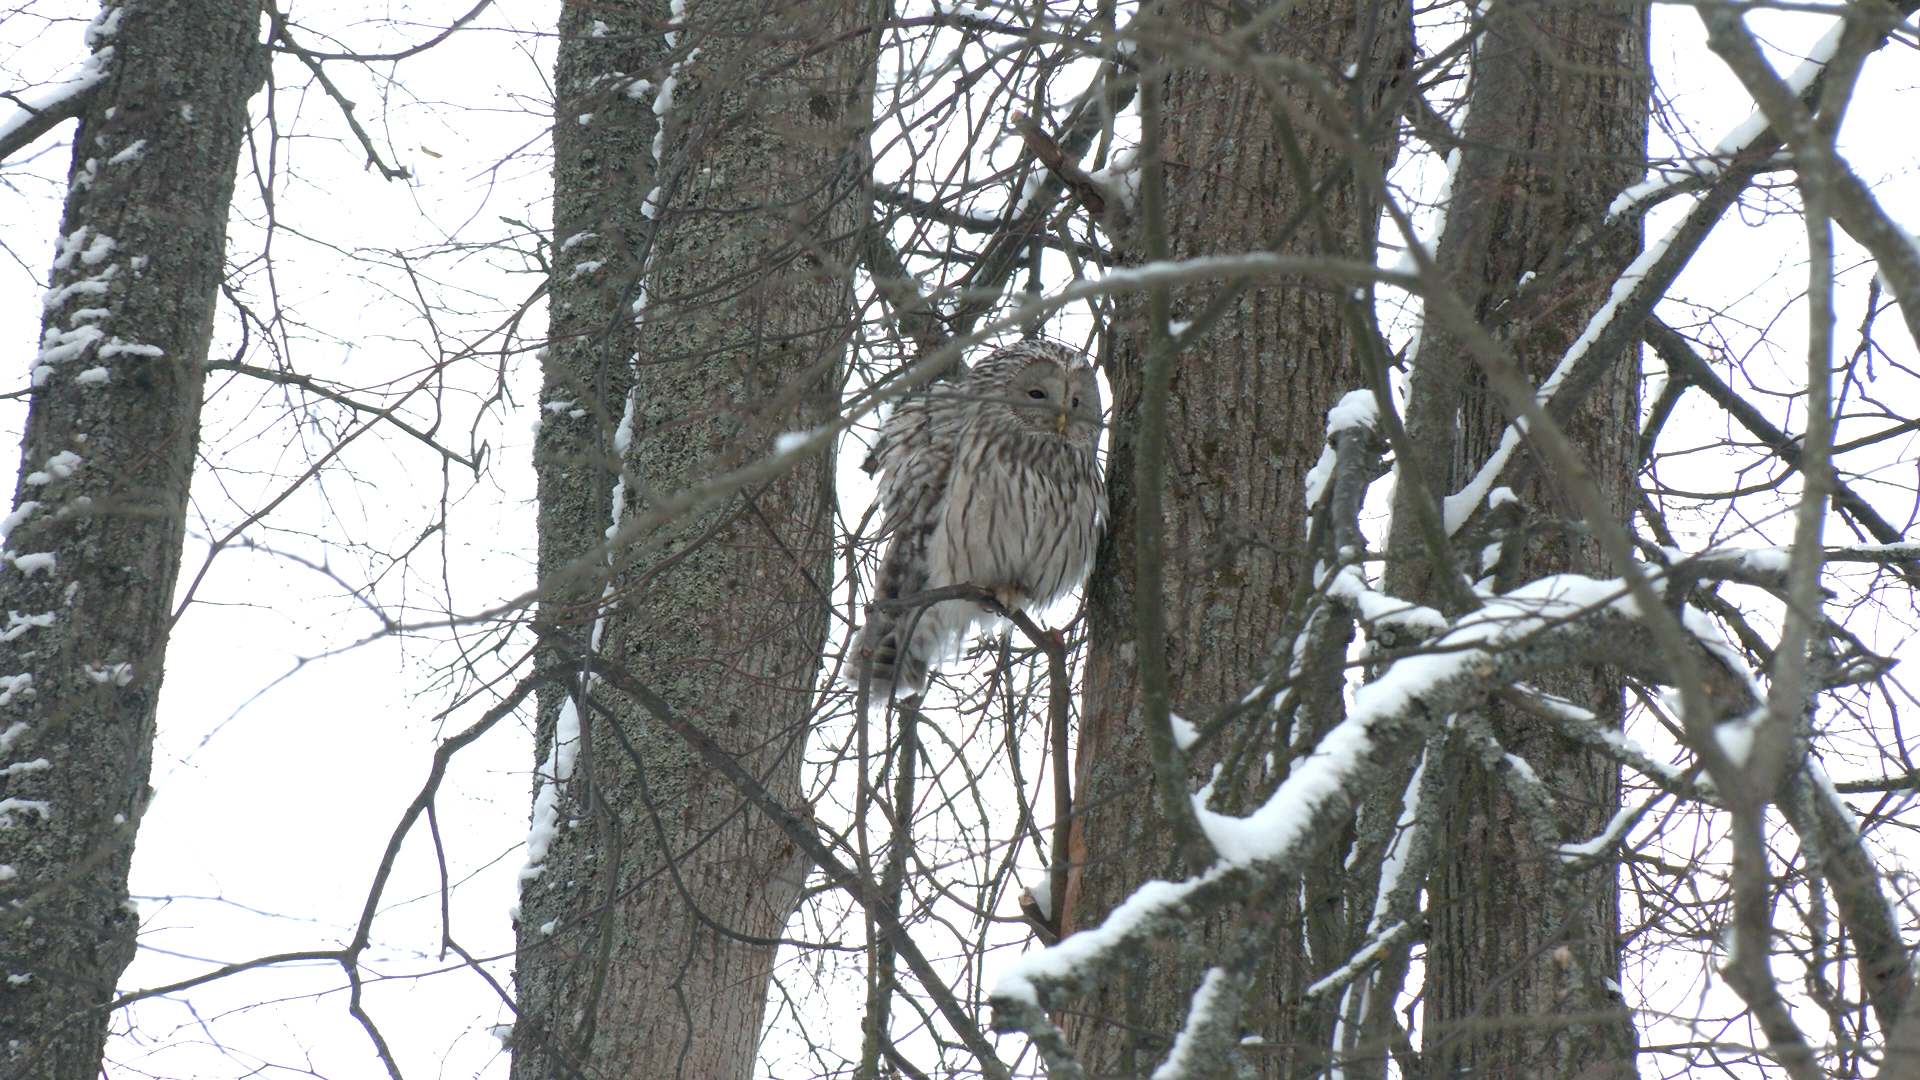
<point x="990" y="481"/>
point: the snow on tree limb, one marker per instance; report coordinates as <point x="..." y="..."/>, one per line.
<point x="1748" y="151"/>
<point x="1809" y="135"/>
<point x="64" y="101"/>
<point x="1546" y="624"/>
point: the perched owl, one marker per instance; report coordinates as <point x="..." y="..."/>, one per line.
<point x="989" y="481"/>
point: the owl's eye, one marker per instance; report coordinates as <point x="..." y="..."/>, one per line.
<point x="1036" y="393"/>
<point x="1076" y="403"/>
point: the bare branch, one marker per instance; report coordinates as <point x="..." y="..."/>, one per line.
<point x="284" y="35"/>
<point x="861" y="888"/>
<point x="368" y="58"/>
<point x="1866" y="25"/>
<point x="1680" y="357"/>
<point x="318" y="389"/>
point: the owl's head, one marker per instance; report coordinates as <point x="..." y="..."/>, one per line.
<point x="1045" y="386"/>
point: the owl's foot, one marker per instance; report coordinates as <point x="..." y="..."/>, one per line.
<point x="1010" y="597"/>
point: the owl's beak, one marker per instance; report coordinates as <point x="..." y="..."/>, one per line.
<point x="1060" y="422"/>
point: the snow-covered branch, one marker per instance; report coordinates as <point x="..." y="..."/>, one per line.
<point x="63" y="101"/>
<point x="1547" y="624"/>
<point x="1743" y="155"/>
<point x="1809" y="133"/>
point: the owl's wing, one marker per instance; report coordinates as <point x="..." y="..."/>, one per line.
<point x="914" y="456"/>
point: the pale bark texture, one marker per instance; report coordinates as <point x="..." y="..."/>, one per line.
<point x="99" y="510"/>
<point x="1246" y="419"/>
<point x="701" y="306"/>
<point x="1523" y="957"/>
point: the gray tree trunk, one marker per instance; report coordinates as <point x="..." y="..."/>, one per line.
<point x="1246" y="418"/>
<point x="99" y="510"/>
<point x="645" y="938"/>
<point x="1522" y="965"/>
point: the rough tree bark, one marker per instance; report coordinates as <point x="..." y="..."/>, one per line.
<point x="645" y="936"/>
<point x="1556" y="127"/>
<point x="1246" y="417"/>
<point x="99" y="512"/>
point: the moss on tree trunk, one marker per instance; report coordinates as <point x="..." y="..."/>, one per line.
<point x="100" y="507"/>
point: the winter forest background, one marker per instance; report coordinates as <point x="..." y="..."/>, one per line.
<point x="508" y="721"/>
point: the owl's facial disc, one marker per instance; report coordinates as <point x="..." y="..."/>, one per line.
<point x="1062" y="402"/>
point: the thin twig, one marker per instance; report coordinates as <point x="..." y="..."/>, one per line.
<point x="282" y="34"/>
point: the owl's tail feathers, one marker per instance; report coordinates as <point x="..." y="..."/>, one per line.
<point x="933" y="634"/>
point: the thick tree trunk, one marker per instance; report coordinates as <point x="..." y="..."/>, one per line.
<point x="100" y="508"/>
<point x="645" y="936"/>
<point x="1246" y="418"/>
<point x="1523" y="960"/>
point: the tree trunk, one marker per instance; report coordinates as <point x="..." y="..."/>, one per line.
<point x="1523" y="960"/>
<point x="1246" y="413"/>
<point x="646" y="932"/>
<point x="100" y="508"/>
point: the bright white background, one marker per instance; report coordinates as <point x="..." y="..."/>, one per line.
<point x="286" y="751"/>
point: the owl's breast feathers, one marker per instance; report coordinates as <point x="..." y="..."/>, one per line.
<point x="1022" y="515"/>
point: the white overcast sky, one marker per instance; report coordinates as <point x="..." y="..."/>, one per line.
<point x="285" y="756"/>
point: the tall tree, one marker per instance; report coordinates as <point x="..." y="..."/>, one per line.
<point x="1255" y="134"/>
<point x="94" y="541"/>
<point x="1555" y="129"/>
<point x="710" y="180"/>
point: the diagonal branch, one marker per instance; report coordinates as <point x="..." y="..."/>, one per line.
<point x="368" y="58"/>
<point x="1831" y="840"/>
<point x="1850" y="200"/>
<point x="285" y="37"/>
<point x="1390" y="717"/>
<point x="1683" y="360"/>
<point x="319" y="389"/>
<point x="1616" y="327"/>
<point x="20" y="130"/>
